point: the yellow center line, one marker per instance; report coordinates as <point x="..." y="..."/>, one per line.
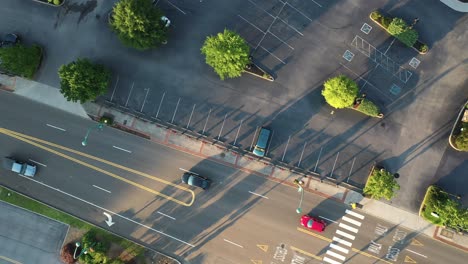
<point x="329" y="240"/>
<point x="30" y="140"/>
<point x="9" y="260"/>
<point x="306" y="253"/>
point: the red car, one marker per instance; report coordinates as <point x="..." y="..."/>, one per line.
<point x="313" y="223"/>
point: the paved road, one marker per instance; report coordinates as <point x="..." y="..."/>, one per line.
<point x="228" y="223"/>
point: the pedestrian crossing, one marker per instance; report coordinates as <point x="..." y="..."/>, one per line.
<point x="341" y="243"/>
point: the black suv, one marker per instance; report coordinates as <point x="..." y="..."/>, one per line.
<point x="196" y="180"/>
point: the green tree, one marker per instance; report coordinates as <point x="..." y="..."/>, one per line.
<point x="381" y="184"/>
<point x="138" y="24"/>
<point x="340" y="91"/>
<point x="227" y="53"/>
<point x="21" y="60"/>
<point x="399" y="29"/>
<point x="83" y="80"/>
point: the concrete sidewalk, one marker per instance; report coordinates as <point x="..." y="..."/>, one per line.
<point x="456" y="5"/>
<point x="195" y="144"/>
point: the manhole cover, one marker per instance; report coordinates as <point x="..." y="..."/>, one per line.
<point x="447" y="233"/>
<point x="366" y="28"/>
<point x="395" y="89"/>
<point x="414" y="62"/>
<point x="348" y="55"/>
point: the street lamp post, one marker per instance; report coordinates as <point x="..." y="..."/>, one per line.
<point x="299" y="184"/>
<point x="99" y="126"/>
<point x="83" y="251"/>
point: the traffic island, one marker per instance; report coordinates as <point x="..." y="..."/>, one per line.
<point x="458" y="138"/>
<point x="255" y="70"/>
<point x="399" y="29"/>
<point x="381" y="184"/>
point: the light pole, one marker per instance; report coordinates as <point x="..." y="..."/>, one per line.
<point x="83" y="251"/>
<point x="299" y="184"/>
<point x="100" y="126"/>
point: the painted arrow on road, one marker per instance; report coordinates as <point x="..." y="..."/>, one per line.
<point x="109" y="219"/>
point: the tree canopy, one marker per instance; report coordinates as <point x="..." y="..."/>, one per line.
<point x="83" y="80"/>
<point x="20" y="60"/>
<point x="227" y="53"/>
<point x="381" y="184"/>
<point x="340" y="91"/>
<point x="403" y="32"/>
<point x="138" y="24"/>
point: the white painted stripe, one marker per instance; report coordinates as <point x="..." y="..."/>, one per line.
<point x="336" y="255"/>
<point x="417" y="253"/>
<point x="115" y="214"/>
<point x="331" y="261"/>
<point x="327" y="219"/>
<point x="55" y="127"/>
<point x="349" y="228"/>
<point x="339" y="232"/>
<point x="344" y="250"/>
<point x="173" y="218"/>
<point x="258" y="195"/>
<point x="342" y="241"/>
<point x="352" y="221"/>
<point x="233" y="243"/>
<point x="95" y="186"/>
<point x="360" y="216"/>
<point x="122" y="149"/>
<point x="38" y="163"/>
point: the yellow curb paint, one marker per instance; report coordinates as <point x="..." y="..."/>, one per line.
<point x="256" y="261"/>
<point x="263" y="247"/>
<point x="10" y="260"/>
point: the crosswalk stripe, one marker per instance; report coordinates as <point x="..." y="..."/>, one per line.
<point x="331" y="261"/>
<point x="360" y="216"/>
<point x="352" y="221"/>
<point x="344" y="250"/>
<point x="336" y="255"/>
<point x="349" y="228"/>
<point x="342" y="241"/>
<point x="339" y="232"/>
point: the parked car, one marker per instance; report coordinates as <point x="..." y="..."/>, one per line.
<point x="21" y="168"/>
<point x="313" y="223"/>
<point x="262" y="142"/>
<point x="196" y="180"/>
<point x="9" y="39"/>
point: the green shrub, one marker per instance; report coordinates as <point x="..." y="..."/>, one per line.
<point x="376" y="15"/>
<point x="21" y="60"/>
<point x="381" y="184"/>
<point x="340" y="91"/>
<point x="385" y="21"/>
<point x="369" y="108"/>
<point x="400" y="30"/>
<point x="461" y="140"/>
<point x="423" y="48"/>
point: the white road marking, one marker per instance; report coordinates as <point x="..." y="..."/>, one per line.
<point x="122" y="149"/>
<point x="344" y="250"/>
<point x="342" y="241"/>
<point x="336" y="255"/>
<point x="95" y="186"/>
<point x="331" y="261"/>
<point x="233" y="243"/>
<point x="173" y="218"/>
<point x="115" y="214"/>
<point x="188" y="171"/>
<point x="349" y="228"/>
<point x="56" y="127"/>
<point x="327" y="219"/>
<point x="352" y="221"/>
<point x="339" y="232"/>
<point x="176" y="7"/>
<point x="419" y="254"/>
<point x="258" y="195"/>
<point x="38" y="163"/>
<point x="360" y="216"/>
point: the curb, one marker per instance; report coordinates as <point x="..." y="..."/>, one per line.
<point x="455" y="125"/>
<point x="450" y="243"/>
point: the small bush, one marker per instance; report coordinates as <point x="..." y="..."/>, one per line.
<point x="67" y="253"/>
<point x="461" y="140"/>
<point x="424" y="48"/>
<point x="21" y="60"/>
<point x="400" y="30"/>
<point x="376" y="15"/>
<point x="369" y="108"/>
<point x="385" y="21"/>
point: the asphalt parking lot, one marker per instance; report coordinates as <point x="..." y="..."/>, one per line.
<point x="301" y="43"/>
<point x="26" y="237"/>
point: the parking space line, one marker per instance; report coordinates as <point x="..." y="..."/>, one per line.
<point x="168" y="216"/>
<point x="290" y="26"/>
<point x="235" y="244"/>
<point x="59" y="128"/>
<point x="342" y="241"/>
<point x="293" y="7"/>
<point x="251" y="24"/>
<point x="341" y="233"/>
<point x="129" y="94"/>
<point x="360" y="216"/>
<point x="115" y="87"/>
<point x="341" y="249"/>
<point x="273" y="55"/>
<point x="349" y="228"/>
<point x="317" y="3"/>
<point x="176" y="7"/>
<point x="352" y="221"/>
<point x="261" y="8"/>
<point x="102" y="189"/>
<point x="268" y="31"/>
